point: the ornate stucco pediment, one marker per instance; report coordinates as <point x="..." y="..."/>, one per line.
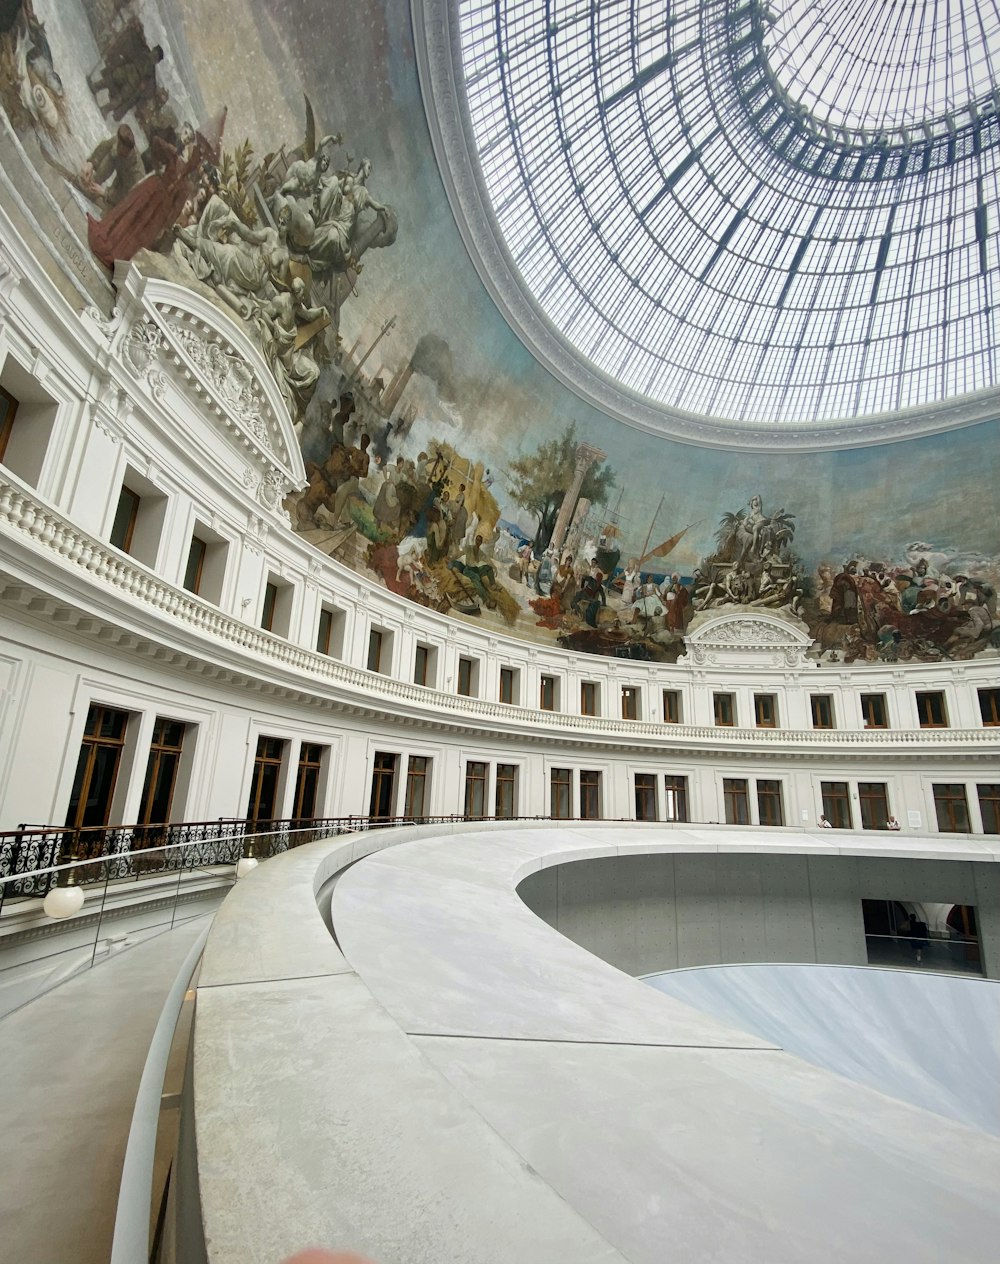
<point x="741" y="639"/>
<point x="173" y="341"/>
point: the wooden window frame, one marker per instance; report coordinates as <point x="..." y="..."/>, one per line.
<point x="721" y="704"/>
<point x="818" y="703"/>
<point x="195" y="585"/>
<point x="90" y="743"/>
<point x="561" y="788"/>
<point x="836" y="799"/>
<point x="736" y="792"/>
<point x="310" y="761"/>
<point x="765" y="710"/>
<point x="418" y="772"/>
<point x="506" y="780"/>
<point x="547" y="693"/>
<point x="870" y="703"/>
<point x="947" y="797"/>
<point x="477" y="773"/>
<point x="932" y="709"/>
<point x="770" y="802"/>
<point x="590" y="794"/>
<point x="675" y="798"/>
<point x="671" y="706"/>
<point x="376" y="645"/>
<point x="159" y="749"/>
<point x="264" y="759"/>
<point x="506" y="686"/>
<point x="868" y="797"/>
<point x="126" y="537"/>
<point x="989" y="706"/>
<point x="466" y="680"/>
<point x="630" y="702"/>
<point x="421" y="664"/>
<point x="588" y="697"/>
<point x="7" y="425"/>
<point x="644" y="789"/>
<point x="988" y="794"/>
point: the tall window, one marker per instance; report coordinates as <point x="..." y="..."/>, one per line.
<point x="97" y="767"/>
<point x="375" y="643"/>
<point x="675" y="804"/>
<point x="506" y="794"/>
<point x="989" y="806"/>
<point x="952" y="808"/>
<point x="547" y="693"/>
<point x="724" y="705"/>
<point x="422" y="665"/>
<point x="736" y="795"/>
<point x="770" y="809"/>
<point x="382" y="804"/>
<point x="476" y="775"/>
<point x="630" y="702"/>
<point x="195" y="567"/>
<point x="8" y="407"/>
<point x="307" y="777"/>
<point x="821" y="706"/>
<point x="324" y="631"/>
<point x="931" y="712"/>
<point x="418" y="769"/>
<point x="561" y="794"/>
<point x="588" y="697"/>
<point x="263" y="802"/>
<point x="874" y="801"/>
<point x="671" y="706"/>
<point x="161" y="771"/>
<point x="507" y="685"/>
<point x="269" y="606"/>
<point x="466" y="677"/>
<point x="873" y="711"/>
<point x="645" y="796"/>
<point x="590" y="795"/>
<point x="765" y="710"/>
<point x="126" y="516"/>
<point x="837" y="803"/>
<point x="989" y="705"/>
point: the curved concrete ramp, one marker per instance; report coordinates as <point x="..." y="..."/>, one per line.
<point x="932" y="1040"/>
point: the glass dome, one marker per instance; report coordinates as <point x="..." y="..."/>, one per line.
<point x="770" y="215"/>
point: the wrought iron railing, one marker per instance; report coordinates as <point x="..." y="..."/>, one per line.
<point x="32" y="858"/>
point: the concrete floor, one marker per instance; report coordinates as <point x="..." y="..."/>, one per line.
<point x="71" y="1066"/>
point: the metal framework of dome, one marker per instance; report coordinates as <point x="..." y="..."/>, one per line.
<point x="767" y="214"/>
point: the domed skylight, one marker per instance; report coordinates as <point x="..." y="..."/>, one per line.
<point x="766" y="214"/>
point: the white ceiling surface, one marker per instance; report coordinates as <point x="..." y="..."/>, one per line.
<point x="673" y="1135"/>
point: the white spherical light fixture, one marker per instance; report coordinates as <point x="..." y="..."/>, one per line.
<point x="63" y="902"/>
<point x="245" y="865"/>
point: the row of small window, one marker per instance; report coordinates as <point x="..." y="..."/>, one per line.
<point x="99" y="766"/>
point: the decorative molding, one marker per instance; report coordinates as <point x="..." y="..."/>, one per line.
<point x="749" y="640"/>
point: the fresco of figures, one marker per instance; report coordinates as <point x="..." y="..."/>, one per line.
<point x="442" y="461"/>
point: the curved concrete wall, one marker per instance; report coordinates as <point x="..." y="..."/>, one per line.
<point x="671" y="911"/>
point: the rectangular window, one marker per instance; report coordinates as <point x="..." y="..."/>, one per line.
<point x="547" y="693"/>
<point x="671" y="706"/>
<point x="837" y="804"/>
<point x="126" y="516"/>
<point x="263" y="802"/>
<point x="952" y="808"/>
<point x="421" y="665"/>
<point x="561" y="796"/>
<point x="161" y="771"/>
<point x="382" y="804"/>
<point x="873" y="711"/>
<point x="418" y="769"/>
<point x="630" y="702"/>
<point x="375" y="642"/>
<point x="770" y="809"/>
<point x="821" y="706"/>
<point x="324" y="632"/>
<point x="269" y="606"/>
<point x="765" y="710"/>
<point x="307" y="777"/>
<point x="195" y="567"/>
<point x="725" y="709"/>
<point x="931" y="712"/>
<point x="476" y="775"/>
<point x="588" y="697"/>
<point x="506" y="796"/>
<point x="989" y="806"/>
<point x="97" y="768"/>
<point x="590" y="795"/>
<point x="645" y="796"/>
<point x="8" y="407"/>
<point x="874" y="801"/>
<point x="507" y="685"/>
<point x="737" y="799"/>
<point x="989" y="705"/>
<point x="675" y="804"/>
<point x="466" y="677"/>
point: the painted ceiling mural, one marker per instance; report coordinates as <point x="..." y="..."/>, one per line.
<point x="274" y="156"/>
